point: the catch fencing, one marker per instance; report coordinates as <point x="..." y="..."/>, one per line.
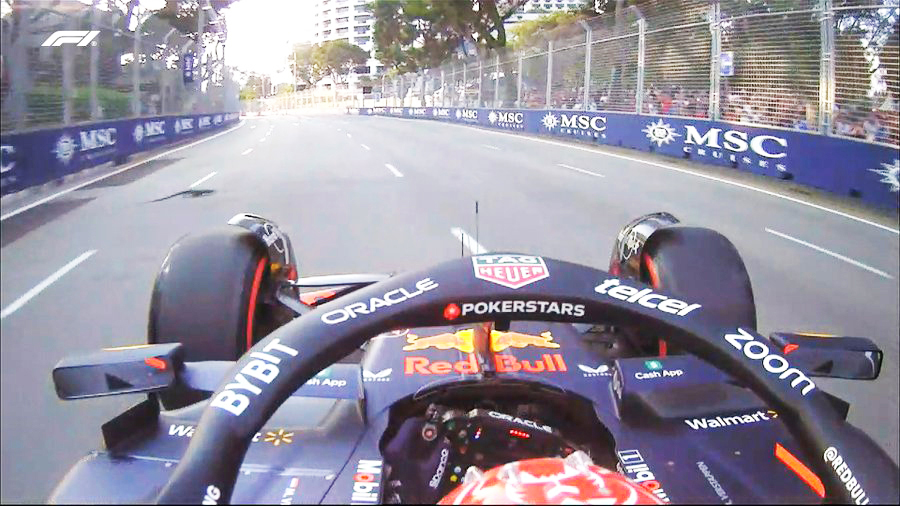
<point x="83" y="84"/>
<point x="823" y="66"/>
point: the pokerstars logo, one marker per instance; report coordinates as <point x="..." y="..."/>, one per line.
<point x="890" y="175"/>
<point x="736" y="146"/>
<point x="660" y="133"/>
<point x="510" y="120"/>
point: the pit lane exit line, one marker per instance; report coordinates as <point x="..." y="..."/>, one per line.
<point x="830" y="253"/>
<point x="579" y="170"/>
<point x="468" y="241"/>
<point x="30" y="294"/>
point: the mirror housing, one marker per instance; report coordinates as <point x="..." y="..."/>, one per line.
<point x="114" y="371"/>
<point x="831" y="357"/>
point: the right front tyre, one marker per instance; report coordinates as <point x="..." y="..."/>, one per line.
<point x="207" y="296"/>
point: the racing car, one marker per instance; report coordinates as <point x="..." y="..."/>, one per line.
<point x="261" y="386"/>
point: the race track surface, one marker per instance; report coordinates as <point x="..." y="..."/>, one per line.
<point x="375" y="194"/>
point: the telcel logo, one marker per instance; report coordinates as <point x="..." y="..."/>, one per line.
<point x="646" y="297"/>
<point x="773" y="364"/>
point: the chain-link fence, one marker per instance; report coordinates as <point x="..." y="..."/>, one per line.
<point x="92" y="77"/>
<point x="828" y="66"/>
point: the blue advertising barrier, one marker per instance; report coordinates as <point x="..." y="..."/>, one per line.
<point x="32" y="158"/>
<point x="842" y="166"/>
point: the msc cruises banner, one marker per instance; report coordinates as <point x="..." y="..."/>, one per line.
<point x="33" y="158"/>
<point x="843" y="166"/>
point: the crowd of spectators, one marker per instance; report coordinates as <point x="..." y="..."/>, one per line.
<point x="874" y="119"/>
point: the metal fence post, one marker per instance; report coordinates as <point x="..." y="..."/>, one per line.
<point x="826" y="68"/>
<point x="519" y="85"/>
<point x="497" y="80"/>
<point x="588" y="38"/>
<point x="639" y="91"/>
<point x="715" y="63"/>
<point x="549" y="71"/>
<point x="480" y="79"/>
<point x="95" y="53"/>
<point x="443" y="88"/>
<point x="136" y="70"/>
<point x="68" y="89"/>
<point x="465" y="97"/>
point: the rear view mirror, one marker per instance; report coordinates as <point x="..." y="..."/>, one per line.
<point x="113" y="371"/>
<point x="832" y="357"/>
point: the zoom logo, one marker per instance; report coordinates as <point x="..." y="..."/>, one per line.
<point x="773" y="364"/>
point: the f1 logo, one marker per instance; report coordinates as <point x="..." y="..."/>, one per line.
<point x="79" y="37"/>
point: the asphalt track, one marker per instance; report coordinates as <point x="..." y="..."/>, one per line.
<point x="378" y="194"/>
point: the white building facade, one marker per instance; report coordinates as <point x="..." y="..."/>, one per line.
<point x="348" y="20"/>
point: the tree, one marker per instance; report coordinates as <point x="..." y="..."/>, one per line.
<point x="528" y="33"/>
<point x="306" y="66"/>
<point x="337" y="58"/>
<point x="414" y="34"/>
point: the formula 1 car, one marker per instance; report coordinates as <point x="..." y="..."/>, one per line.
<point x="264" y="387"/>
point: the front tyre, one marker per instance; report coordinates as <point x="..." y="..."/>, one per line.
<point x="208" y="296"/>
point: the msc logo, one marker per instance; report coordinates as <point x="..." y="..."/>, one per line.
<point x="514" y="120"/>
<point x="149" y="130"/>
<point x="578" y="124"/>
<point x="183" y="125"/>
<point x="79" y="37"/>
<point x="440" y="113"/>
<point x="6" y="151"/>
<point x="217" y="119"/>
<point x="416" y="111"/>
<point x="467" y="114"/>
<point x="88" y="140"/>
<point x="736" y="141"/>
<point x="205" y="121"/>
<point x="396" y="110"/>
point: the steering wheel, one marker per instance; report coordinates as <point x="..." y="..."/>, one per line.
<point x="851" y="466"/>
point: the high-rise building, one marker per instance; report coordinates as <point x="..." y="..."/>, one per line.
<point x="352" y="21"/>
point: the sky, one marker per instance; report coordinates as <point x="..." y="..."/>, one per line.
<point x="261" y="32"/>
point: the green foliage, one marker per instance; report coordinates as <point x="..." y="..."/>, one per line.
<point x="306" y="66"/>
<point x="414" y="34"/>
<point x="182" y="15"/>
<point x="528" y="33"/>
<point x="338" y="57"/>
<point x="49" y="99"/>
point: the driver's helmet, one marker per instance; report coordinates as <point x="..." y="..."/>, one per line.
<point x="573" y="480"/>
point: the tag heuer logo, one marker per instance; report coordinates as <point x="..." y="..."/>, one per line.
<point x="511" y="271"/>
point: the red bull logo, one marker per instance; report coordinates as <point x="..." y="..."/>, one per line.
<point x="463" y="340"/>
<point x="502" y="363"/>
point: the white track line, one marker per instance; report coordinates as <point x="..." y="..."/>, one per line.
<point x="676" y="169"/>
<point x="367" y="148"/>
<point x="394" y="170"/>
<point x="491" y="147"/>
<point x="830" y="253"/>
<point x="202" y="179"/>
<point x="123" y="169"/>
<point x="247" y="151"/>
<point x="30" y="294"/>
<point x="579" y="170"/>
<point x="468" y="241"/>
